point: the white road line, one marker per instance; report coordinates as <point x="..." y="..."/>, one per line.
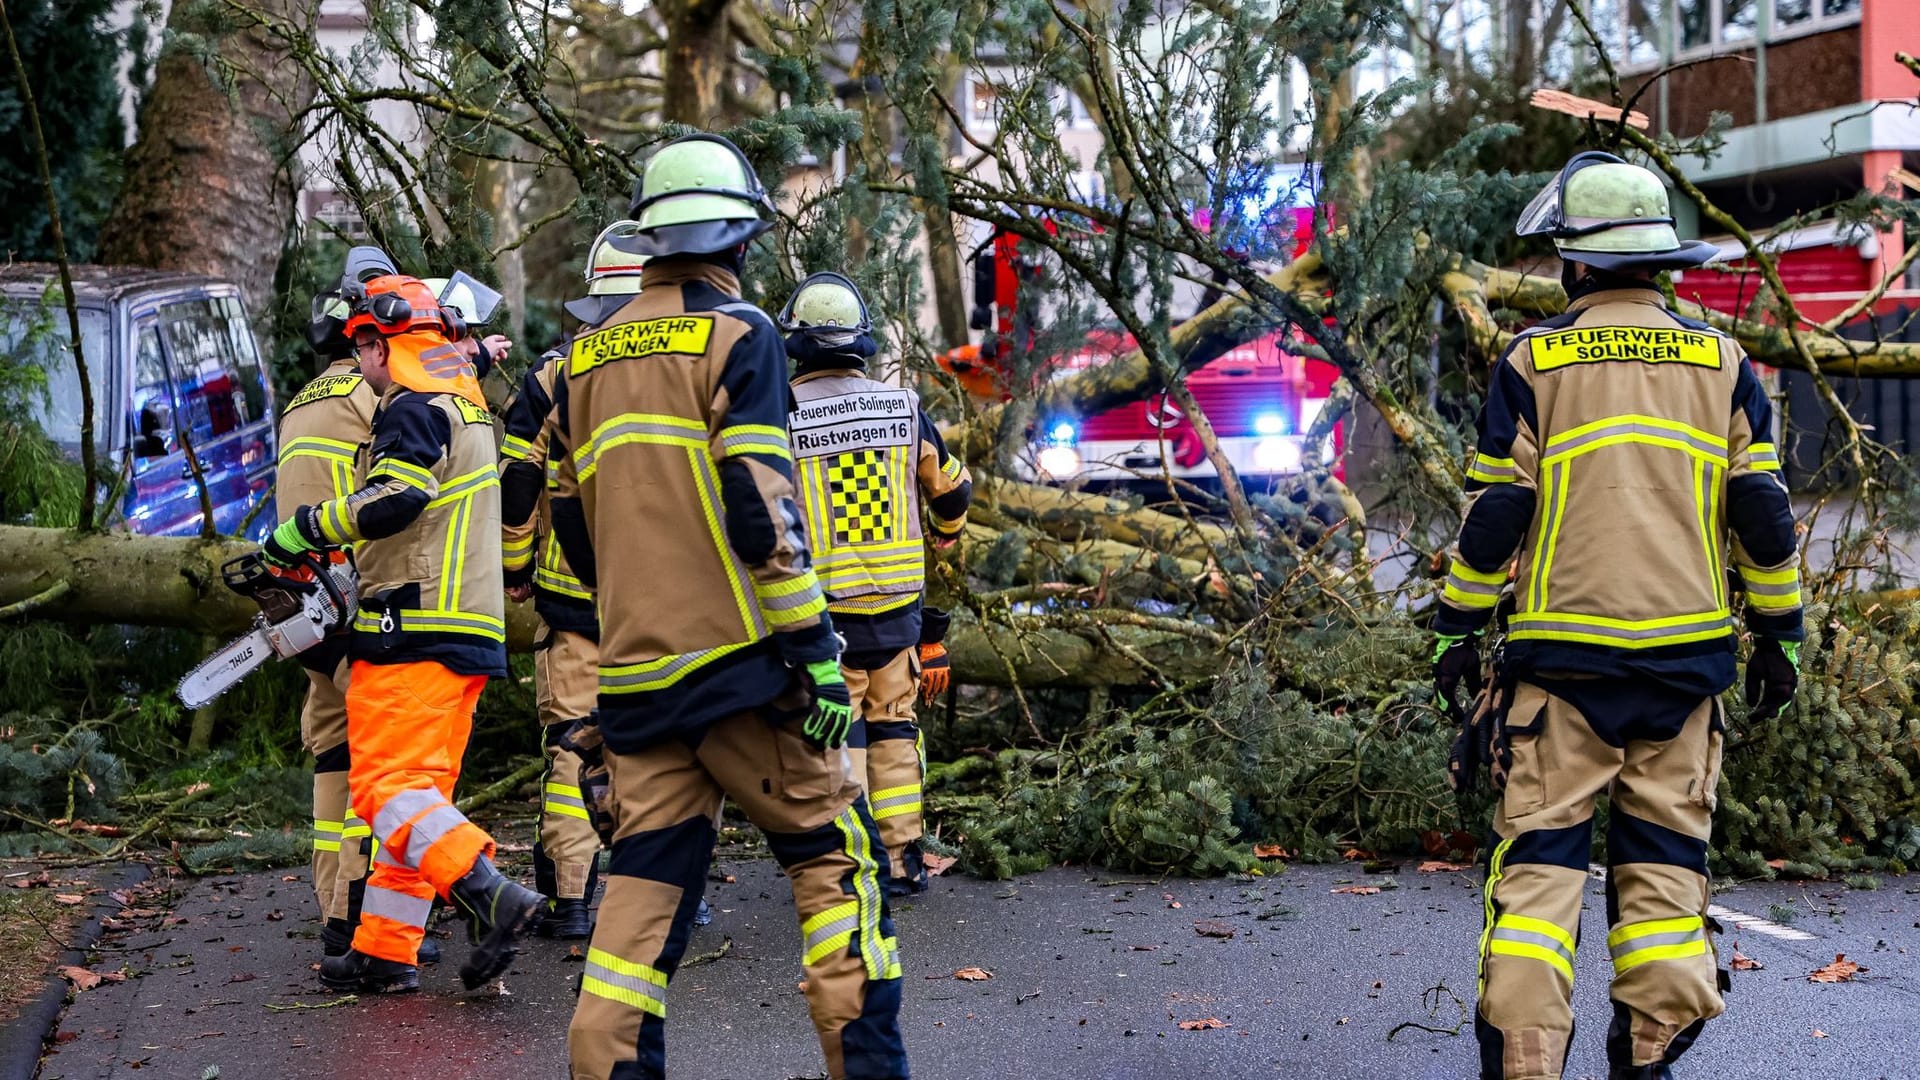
<point x="1741" y="921"/>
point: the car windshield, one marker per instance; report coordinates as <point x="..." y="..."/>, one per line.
<point x="37" y="373"/>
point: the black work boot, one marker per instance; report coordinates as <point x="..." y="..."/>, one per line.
<point x="336" y="937"/>
<point x="499" y="911"/>
<point x="360" y="973"/>
<point x="566" y="919"/>
<point x="915" y="879"/>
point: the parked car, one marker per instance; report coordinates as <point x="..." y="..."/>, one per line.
<point x="174" y="364"/>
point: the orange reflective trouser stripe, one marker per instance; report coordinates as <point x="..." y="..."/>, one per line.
<point x="407" y="727"/>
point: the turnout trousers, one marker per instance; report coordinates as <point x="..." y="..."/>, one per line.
<point x="408" y="726"/>
<point x="1661" y="775"/>
<point x="566" y="681"/>
<point x="888" y="756"/>
<point x="340" y="838"/>
<point x="665" y="800"/>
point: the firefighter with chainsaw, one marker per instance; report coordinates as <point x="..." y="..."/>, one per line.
<point x="320" y="432"/>
<point x="866" y="460"/>
<point x="719" y="669"/>
<point x="1625" y="459"/>
<point x="566" y="674"/>
<point x="430" y="629"/>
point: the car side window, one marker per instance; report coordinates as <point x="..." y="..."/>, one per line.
<point x="153" y="397"/>
<point x="218" y="369"/>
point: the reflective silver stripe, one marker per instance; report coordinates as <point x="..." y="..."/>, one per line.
<point x="397" y="906"/>
<point x="790" y="601"/>
<point x="636" y="984"/>
<point x="662" y="674"/>
<point x="742" y="581"/>
<point x="384" y="856"/>
<point x="822" y="939"/>
<point x="671" y="434"/>
<point x="402" y="808"/>
<point x="1528" y="937"/>
<point x="1557" y="449"/>
<point x="1785" y="588"/>
<point x="565" y="800"/>
<point x="896" y="800"/>
<point x="428" y="831"/>
<point x="1647" y="941"/>
<point x="1482" y="588"/>
<point x="1550" y="624"/>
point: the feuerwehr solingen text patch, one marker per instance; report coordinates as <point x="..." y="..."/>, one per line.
<point x="865" y="421"/>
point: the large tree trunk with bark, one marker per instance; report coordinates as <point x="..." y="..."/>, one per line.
<point x="123" y="579"/>
<point x="209" y="188"/>
<point x="698" y="54"/>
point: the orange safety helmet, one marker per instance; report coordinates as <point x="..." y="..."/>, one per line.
<point x="420" y="335"/>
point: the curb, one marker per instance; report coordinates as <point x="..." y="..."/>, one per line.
<point x="24" y="1037"/>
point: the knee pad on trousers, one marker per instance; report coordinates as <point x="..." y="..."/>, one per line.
<point x="1620" y="1040"/>
<point x="886" y="730"/>
<point x="870" y="1045"/>
<point x="332" y="760"/>
<point x="1493" y="1050"/>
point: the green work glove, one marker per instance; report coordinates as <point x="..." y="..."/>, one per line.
<point x="287" y="547"/>
<point x="831" y="720"/>
<point x="1455" y="657"/>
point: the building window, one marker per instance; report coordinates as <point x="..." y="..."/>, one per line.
<point x="1792" y="15"/>
<point x="1643" y="46"/>
<point x="1700" y="25"/>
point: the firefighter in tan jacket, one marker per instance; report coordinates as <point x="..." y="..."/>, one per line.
<point x="566" y="672"/>
<point x="719" y="672"/>
<point x="867" y="463"/>
<point x="320" y="432"/>
<point x="1625" y="460"/>
<point x="430" y="629"/>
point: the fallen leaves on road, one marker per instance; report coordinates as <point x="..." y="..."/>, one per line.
<point x="1356" y="890"/>
<point x="68" y="898"/>
<point x="35" y="881"/>
<point x="1356" y="853"/>
<point x="1441" y="866"/>
<point x="84" y="979"/>
<point x="1841" y="970"/>
<point x="1743" y="962"/>
<point x="1208" y="1024"/>
<point x="936" y="864"/>
<point x="1271" y="851"/>
<point x="973" y="974"/>
<point x="1214" y="928"/>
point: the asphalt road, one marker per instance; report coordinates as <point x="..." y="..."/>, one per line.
<point x="1092" y="976"/>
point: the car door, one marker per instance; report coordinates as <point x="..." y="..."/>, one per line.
<point x="161" y="499"/>
<point x="226" y="409"/>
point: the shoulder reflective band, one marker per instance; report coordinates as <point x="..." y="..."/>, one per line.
<point x="326" y="386"/>
<point x="1588" y="345"/>
<point x="675" y="334"/>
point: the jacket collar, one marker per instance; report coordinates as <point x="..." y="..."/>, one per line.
<point x="1633" y="295"/>
<point x="684" y="271"/>
<point x="830" y="373"/>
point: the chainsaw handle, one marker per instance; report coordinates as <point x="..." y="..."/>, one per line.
<point x="245" y="574"/>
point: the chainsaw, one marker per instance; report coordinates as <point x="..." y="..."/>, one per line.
<point x="299" y="609"/>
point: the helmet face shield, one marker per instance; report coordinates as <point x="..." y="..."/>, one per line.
<point x="474" y="300"/>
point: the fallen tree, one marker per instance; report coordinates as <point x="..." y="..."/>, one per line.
<point x="124" y="579"/>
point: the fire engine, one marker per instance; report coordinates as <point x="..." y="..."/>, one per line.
<point x="1260" y="397"/>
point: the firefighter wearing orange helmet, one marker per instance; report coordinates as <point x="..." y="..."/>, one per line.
<point x="425" y="524"/>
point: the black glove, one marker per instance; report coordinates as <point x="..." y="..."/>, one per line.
<point x="1455" y="657"/>
<point x="1773" y="674"/>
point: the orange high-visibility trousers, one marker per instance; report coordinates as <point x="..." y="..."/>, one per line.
<point x="407" y="728"/>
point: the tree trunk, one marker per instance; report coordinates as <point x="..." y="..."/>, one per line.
<point x="123" y="579"/>
<point x="208" y="187"/>
<point x="698" y="55"/>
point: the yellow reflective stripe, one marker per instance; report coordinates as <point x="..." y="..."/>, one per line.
<point x="342" y="479"/>
<point x="1633" y="944"/>
<point x="637" y="986"/>
<point x="1787" y="576"/>
<point x="1539" y="926"/>
<point x="707" y="482"/>
<point x="1461" y="569"/>
<point x="448" y="595"/>
<point x="554" y="787"/>
<point x="1530" y="951"/>
<point x="663" y="672"/>
<point x="657" y="429"/>
<point x="1496" y="865"/>
<point x="555" y="582"/>
<point x="1636" y="428"/>
<point x="756" y="439"/>
<point x="465" y="486"/>
<point x="422" y="620"/>
<point x="1473" y="589"/>
<point x="1621" y="633"/>
<point x="333" y="451"/>
<point x="880" y="954"/>
<point x="334" y="523"/>
<point x="829" y="931"/>
<point x="515" y="448"/>
<point x="952" y="467"/>
<point x="872" y="605"/>
<point x="1636" y="420"/>
<point x="1763" y="456"/>
<point x="518" y="545"/>
<point x="1659" y="952"/>
<point x="1493" y="470"/>
<point x="407" y="473"/>
<point x="1702" y="502"/>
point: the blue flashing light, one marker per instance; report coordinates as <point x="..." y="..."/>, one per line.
<point x="1063" y="433"/>
<point x="1269" y="424"/>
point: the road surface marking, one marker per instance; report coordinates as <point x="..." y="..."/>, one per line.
<point x="1742" y="921"/>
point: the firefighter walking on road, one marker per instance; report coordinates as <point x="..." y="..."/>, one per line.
<point x="566" y="673"/>
<point x="320" y="432"/>
<point x="867" y="461"/>
<point x="719" y="669"/>
<point x="425" y="525"/>
<point x="1626" y="456"/>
